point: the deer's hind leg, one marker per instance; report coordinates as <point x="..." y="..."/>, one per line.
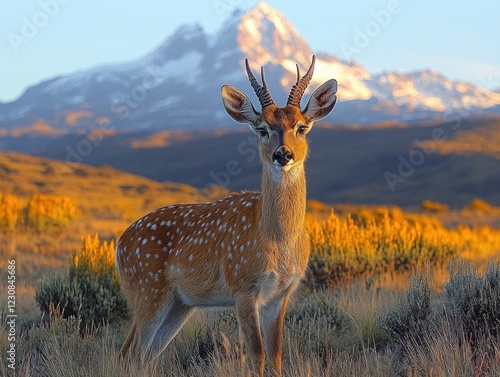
<point x="124" y="351"/>
<point x="166" y="324"/>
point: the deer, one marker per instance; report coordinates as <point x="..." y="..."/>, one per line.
<point x="248" y="250"/>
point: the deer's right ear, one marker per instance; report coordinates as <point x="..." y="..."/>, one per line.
<point x="238" y="105"/>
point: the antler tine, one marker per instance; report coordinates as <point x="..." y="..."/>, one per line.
<point x="264" y="85"/>
<point x="300" y="86"/>
<point x="261" y="91"/>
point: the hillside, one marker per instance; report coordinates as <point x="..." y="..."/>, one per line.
<point x="483" y="140"/>
<point x="346" y="164"/>
<point x="100" y="191"/>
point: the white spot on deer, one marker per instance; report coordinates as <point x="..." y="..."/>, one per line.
<point x="244" y="218"/>
<point x="153" y="227"/>
<point x="190" y="258"/>
<point x="144" y="241"/>
<point x="229" y="256"/>
<point x="148" y="255"/>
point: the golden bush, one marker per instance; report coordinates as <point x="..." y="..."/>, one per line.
<point x="10" y="211"/>
<point x="387" y="240"/>
<point x="90" y="290"/>
<point x="49" y="210"/>
<point x="478" y="205"/>
<point x="430" y="206"/>
<point x="95" y="258"/>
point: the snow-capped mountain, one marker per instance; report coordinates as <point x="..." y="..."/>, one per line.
<point x="178" y="84"/>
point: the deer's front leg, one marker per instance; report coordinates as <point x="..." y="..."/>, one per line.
<point x="272" y="318"/>
<point x="248" y="317"/>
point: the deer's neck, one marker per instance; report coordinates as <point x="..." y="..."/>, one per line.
<point x="283" y="203"/>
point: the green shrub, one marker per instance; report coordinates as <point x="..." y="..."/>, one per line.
<point x="411" y="318"/>
<point x="473" y="303"/>
<point x="90" y="290"/>
<point x="469" y="315"/>
<point x="319" y="324"/>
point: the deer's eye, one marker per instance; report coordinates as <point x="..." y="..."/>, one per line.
<point x="302" y="130"/>
<point x="262" y="132"/>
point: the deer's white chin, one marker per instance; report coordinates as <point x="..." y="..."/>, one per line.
<point x="286" y="167"/>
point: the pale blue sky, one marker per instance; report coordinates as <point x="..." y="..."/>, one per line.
<point x="457" y="38"/>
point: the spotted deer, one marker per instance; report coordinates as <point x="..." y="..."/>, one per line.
<point x="248" y="250"/>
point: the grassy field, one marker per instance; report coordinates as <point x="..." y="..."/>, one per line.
<point x="378" y="299"/>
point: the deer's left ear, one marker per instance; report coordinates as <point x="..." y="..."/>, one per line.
<point x="238" y="105"/>
<point x="321" y="102"/>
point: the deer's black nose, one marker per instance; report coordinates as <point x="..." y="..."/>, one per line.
<point x="282" y="155"/>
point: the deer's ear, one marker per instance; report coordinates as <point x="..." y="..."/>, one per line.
<point x="321" y="102"/>
<point x="238" y="105"/>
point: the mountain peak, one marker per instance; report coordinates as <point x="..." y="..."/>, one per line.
<point x="186" y="38"/>
<point x="265" y="35"/>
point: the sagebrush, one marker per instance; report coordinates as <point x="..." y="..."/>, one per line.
<point x="90" y="290"/>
